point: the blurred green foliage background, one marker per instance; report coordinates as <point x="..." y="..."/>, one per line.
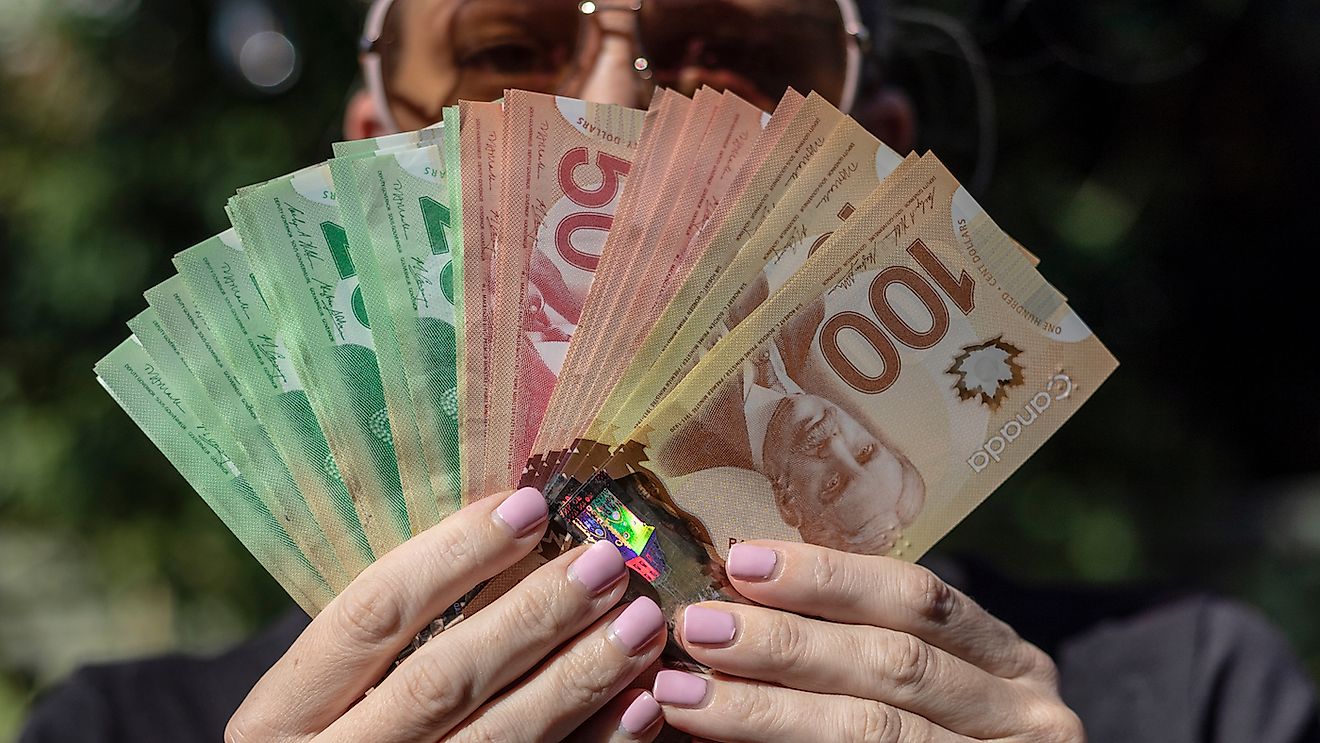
<point x="1159" y="157"/>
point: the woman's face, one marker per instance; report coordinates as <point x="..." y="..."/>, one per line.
<point x="474" y="49"/>
<point x="834" y="474"/>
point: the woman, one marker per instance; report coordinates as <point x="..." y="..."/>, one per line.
<point x="830" y="646"/>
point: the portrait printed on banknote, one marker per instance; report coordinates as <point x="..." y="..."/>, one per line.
<point x="836" y="478"/>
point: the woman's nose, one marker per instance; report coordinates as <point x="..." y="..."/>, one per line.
<point x="842" y="455"/>
<point x="612" y="78"/>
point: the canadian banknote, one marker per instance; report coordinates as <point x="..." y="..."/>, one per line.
<point x="403" y="201"/>
<point x="894" y="381"/>
<point x="566" y="163"/>
<point x="710" y="152"/>
<point x="132" y="378"/>
<point x="849" y="166"/>
<point x="657" y="148"/>
<point x="419" y="473"/>
<point x="185" y="353"/>
<point x="298" y="249"/>
<point x="231" y="305"/>
<point x="734" y="222"/>
<point x="481" y="148"/>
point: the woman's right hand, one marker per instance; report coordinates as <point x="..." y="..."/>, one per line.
<point x="546" y="660"/>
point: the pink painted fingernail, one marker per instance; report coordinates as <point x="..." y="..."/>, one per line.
<point x="677" y="687"/>
<point x="640" y="715"/>
<point x="707" y="626"/>
<point x="523" y="511"/>
<point x="598" y="568"/>
<point x="636" y="626"/>
<point x="749" y="562"/>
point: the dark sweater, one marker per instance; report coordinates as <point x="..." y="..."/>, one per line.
<point x="1136" y="666"/>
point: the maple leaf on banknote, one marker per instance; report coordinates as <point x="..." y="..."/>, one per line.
<point x="987" y="370"/>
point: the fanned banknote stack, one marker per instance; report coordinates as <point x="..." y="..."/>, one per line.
<point x="688" y="326"/>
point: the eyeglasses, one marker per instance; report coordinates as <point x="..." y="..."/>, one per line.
<point x="755" y="48"/>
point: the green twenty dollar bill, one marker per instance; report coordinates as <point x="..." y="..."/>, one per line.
<point x="296" y="244"/>
<point x="402" y="199"/>
<point x="176" y="337"/>
<point x="167" y="416"/>
<point x="222" y="285"/>
<point x="416" y="472"/>
<point x="433" y="134"/>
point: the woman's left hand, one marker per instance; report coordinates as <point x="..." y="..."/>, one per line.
<point x="896" y="656"/>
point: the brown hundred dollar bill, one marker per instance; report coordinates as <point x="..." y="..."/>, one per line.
<point x="845" y="171"/>
<point x="913" y="362"/>
<point x="790" y="140"/>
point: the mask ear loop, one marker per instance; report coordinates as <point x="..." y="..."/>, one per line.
<point x="373" y="67"/>
<point x="856" y="33"/>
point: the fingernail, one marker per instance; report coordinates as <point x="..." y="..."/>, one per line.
<point x="640" y="715"/>
<point x="749" y="562"/>
<point x="598" y="568"/>
<point x="636" y="626"/>
<point x="677" y="687"/>
<point x="523" y="511"/>
<point x="707" y="626"/>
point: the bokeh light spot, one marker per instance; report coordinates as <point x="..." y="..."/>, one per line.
<point x="268" y="60"/>
<point x="1097" y="218"/>
<point x="1102" y="545"/>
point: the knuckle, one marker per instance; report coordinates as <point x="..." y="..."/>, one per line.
<point x="1022" y="661"/>
<point x="759" y="710"/>
<point x="434" y="689"/>
<point x="783" y="641"/>
<point x="537" y="614"/>
<point x="246" y="728"/>
<point x="873" y="722"/>
<point x="909" y="662"/>
<point x="1053" y="722"/>
<point x="931" y="598"/>
<point x="453" y="550"/>
<point x="237" y="731"/>
<point x="1039" y="664"/>
<point x="369" y="614"/>
<point x="831" y="573"/>
<point x="483" y="733"/>
<point x="587" y="683"/>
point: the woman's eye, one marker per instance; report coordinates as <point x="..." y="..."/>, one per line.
<point x="502" y="59"/>
<point x="865" y="453"/>
<point x="832" y="484"/>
